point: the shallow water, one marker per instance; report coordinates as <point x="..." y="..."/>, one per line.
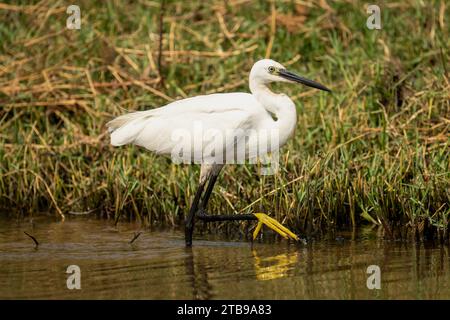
<point x="158" y="266"/>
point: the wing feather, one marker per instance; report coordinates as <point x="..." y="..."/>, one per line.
<point x="179" y="124"/>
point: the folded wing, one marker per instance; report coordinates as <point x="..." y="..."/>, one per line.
<point x="198" y="127"/>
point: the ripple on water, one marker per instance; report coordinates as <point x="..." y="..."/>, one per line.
<point x="158" y="266"/>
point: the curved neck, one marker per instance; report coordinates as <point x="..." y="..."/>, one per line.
<point x="264" y="96"/>
<point x="280" y="105"/>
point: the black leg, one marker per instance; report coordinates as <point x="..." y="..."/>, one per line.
<point x="208" y="192"/>
<point x="199" y="203"/>
<point x="198" y="206"/>
<point x="190" y="221"/>
<point x="201" y="214"/>
<point x="226" y="217"/>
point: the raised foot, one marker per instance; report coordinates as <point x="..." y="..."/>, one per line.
<point x="274" y="225"/>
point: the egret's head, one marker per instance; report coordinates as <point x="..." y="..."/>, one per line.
<point x="266" y="71"/>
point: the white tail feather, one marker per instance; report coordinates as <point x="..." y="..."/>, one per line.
<point x="125" y="128"/>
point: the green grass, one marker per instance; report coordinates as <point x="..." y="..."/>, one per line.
<point x="376" y="151"/>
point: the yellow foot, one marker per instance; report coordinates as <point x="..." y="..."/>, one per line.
<point x="274" y="225"/>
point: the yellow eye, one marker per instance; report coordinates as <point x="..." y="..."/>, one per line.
<point x="271" y="69"/>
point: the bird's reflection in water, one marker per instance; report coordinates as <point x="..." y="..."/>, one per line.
<point x="198" y="276"/>
<point x="319" y="270"/>
<point x="206" y="268"/>
<point x="275" y="266"/>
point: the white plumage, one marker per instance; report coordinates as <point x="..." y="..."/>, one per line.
<point x="225" y="119"/>
<point x="216" y="129"/>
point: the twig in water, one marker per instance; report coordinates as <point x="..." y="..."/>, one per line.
<point x="136" y="235"/>
<point x="32" y="238"/>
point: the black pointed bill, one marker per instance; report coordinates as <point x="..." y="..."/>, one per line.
<point x="293" y="77"/>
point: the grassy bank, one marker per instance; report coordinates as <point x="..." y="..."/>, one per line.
<point x="376" y="151"/>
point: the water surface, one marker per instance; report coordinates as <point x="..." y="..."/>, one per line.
<point x="158" y="266"/>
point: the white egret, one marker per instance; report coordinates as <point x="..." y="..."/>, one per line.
<point x="227" y="119"/>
